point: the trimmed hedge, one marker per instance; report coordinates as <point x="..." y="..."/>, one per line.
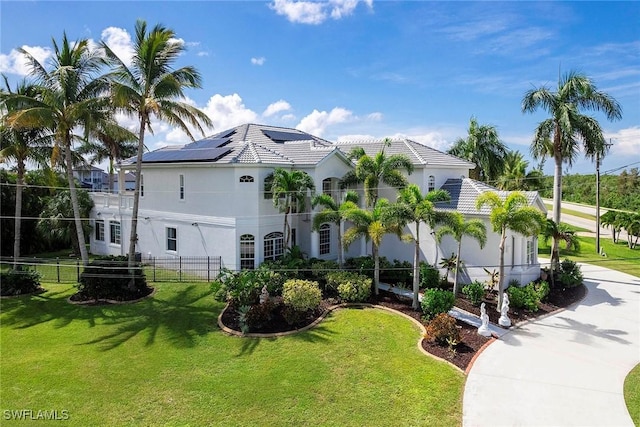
<point x="19" y="282"/>
<point x="110" y="278"/>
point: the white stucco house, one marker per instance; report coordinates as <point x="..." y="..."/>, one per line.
<point x="208" y="198"/>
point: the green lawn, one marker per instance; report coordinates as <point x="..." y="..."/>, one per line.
<point x="619" y="256"/>
<point x="163" y="361"/>
<point x="572" y="212"/>
<point x="632" y="394"/>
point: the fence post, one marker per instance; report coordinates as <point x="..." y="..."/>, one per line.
<point x="153" y="263"/>
<point x="78" y="269"/>
<point x="58" y="268"/>
<point x="180" y="269"/>
<point x="208" y="268"/>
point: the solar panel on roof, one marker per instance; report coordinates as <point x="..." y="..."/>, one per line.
<point x="207" y="143"/>
<point x="280" y="136"/>
<point x="205" y="154"/>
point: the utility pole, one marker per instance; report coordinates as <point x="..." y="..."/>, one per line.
<point x="606" y="147"/>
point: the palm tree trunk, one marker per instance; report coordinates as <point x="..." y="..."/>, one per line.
<point x="17" y="233"/>
<point x="340" y="253"/>
<point x="286" y="228"/>
<point x="133" y="237"/>
<point x="376" y="268"/>
<point x="455" y="273"/>
<point x="503" y="239"/>
<point x="416" y="269"/>
<point x="73" y="192"/>
<point x="557" y="197"/>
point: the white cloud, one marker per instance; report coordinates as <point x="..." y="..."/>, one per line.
<point x="288" y="117"/>
<point x="276" y="108"/>
<point x="228" y="111"/>
<point x="202" y="53"/>
<point x="119" y="41"/>
<point x="314" y="13"/>
<point x="258" y="61"/>
<point x="626" y="141"/>
<point x="15" y="62"/>
<point x="375" y="117"/>
<point x="318" y="121"/>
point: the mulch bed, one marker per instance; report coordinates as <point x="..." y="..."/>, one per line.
<point x="459" y="355"/>
<point x="140" y="294"/>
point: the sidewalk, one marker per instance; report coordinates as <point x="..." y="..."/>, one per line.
<point x="567" y="369"/>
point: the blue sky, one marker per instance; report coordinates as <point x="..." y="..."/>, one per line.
<point x="349" y="69"/>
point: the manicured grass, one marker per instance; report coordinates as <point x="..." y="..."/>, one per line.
<point x="163" y="361"/>
<point x="632" y="394"/>
<point x="619" y="256"/>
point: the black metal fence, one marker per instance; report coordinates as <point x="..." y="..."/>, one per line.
<point x="157" y="269"/>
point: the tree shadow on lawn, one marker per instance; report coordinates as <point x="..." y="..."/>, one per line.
<point x="176" y="314"/>
<point x="317" y="334"/>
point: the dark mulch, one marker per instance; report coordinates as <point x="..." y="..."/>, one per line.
<point x="120" y="298"/>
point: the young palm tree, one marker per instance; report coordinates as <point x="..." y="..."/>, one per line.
<point x="112" y="143"/>
<point x="335" y="213"/>
<point x="482" y="147"/>
<point x="512" y="213"/>
<point x="514" y="172"/>
<point x="21" y="146"/>
<point x="150" y="87"/>
<point x="458" y="228"/>
<point x="372" y="171"/>
<point x="370" y="224"/>
<point x="414" y="208"/>
<point x="289" y="189"/>
<point x="70" y="96"/>
<point x="561" y="231"/>
<point x="568" y="130"/>
<point x="613" y="219"/>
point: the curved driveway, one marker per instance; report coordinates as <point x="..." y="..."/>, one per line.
<point x="567" y="369"/>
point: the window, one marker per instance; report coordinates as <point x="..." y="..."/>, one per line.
<point x="114" y="232"/>
<point x="141" y="185"/>
<point x="293" y="237"/>
<point x="326" y="186"/>
<point x="247" y="252"/>
<point x="100" y="230"/>
<point x="325" y="239"/>
<point x="431" y="184"/>
<point x="181" y="187"/>
<point x="273" y="246"/>
<point x="246" y="178"/>
<point x="268" y="182"/>
<point x="172" y="239"/>
<point x="531" y="251"/>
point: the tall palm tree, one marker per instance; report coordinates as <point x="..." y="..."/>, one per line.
<point x="482" y="147"/>
<point x="568" y="130"/>
<point x="371" y="225"/>
<point x="412" y="207"/>
<point x="514" y="172"/>
<point x="458" y="228"/>
<point x="111" y="143"/>
<point x="150" y="87"/>
<point x="512" y="213"/>
<point x="289" y="189"/>
<point x="71" y="97"/>
<point x="21" y="146"/>
<point x="376" y="170"/>
<point x="334" y="212"/>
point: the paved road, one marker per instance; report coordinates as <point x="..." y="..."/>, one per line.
<point x="564" y="370"/>
<point x="588" y="224"/>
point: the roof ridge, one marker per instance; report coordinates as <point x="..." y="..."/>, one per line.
<point x="277" y="153"/>
<point x="413" y="150"/>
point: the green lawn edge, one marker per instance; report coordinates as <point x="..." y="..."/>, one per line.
<point x="632" y="394"/>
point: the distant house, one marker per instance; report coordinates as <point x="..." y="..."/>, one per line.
<point x="91" y="177"/>
<point x="209" y="198"/>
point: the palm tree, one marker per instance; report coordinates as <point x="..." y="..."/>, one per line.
<point x="560" y="136"/>
<point x="21" y="146"/>
<point x="289" y="189"/>
<point x="561" y="231"/>
<point x="150" y="87"/>
<point x="612" y="219"/>
<point x="71" y="97"/>
<point x="335" y="213"/>
<point x="512" y="213"/>
<point x="372" y="171"/>
<point x="458" y="227"/>
<point x="110" y="143"/>
<point x="414" y="208"/>
<point x="370" y="225"/>
<point x="482" y="147"/>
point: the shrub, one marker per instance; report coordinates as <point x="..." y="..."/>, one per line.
<point x="525" y="297"/>
<point x="542" y="289"/>
<point x="436" y="301"/>
<point x="19" y="282"/>
<point x="363" y="265"/>
<point x="319" y="271"/>
<point x="429" y="276"/>
<point x="350" y="286"/>
<point x="570" y="274"/>
<point x="398" y="273"/>
<point x="301" y="295"/>
<point x="442" y="329"/>
<point x="109" y="278"/>
<point x="243" y="287"/>
<point x="474" y="292"/>
<point x="259" y="314"/>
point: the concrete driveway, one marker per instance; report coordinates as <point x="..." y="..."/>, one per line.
<point x="567" y="369"/>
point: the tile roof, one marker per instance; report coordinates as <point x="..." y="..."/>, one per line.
<point x="465" y="191"/>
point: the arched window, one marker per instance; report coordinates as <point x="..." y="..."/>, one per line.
<point x="325" y="239"/>
<point x="247" y="252"/>
<point x="273" y="246"/>
<point x="431" y="184"/>
<point x="246" y="178"/>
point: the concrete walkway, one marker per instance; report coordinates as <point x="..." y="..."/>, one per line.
<point x="567" y="369"/>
